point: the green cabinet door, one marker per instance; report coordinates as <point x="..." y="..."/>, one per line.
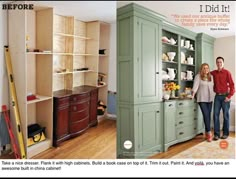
<point x="150" y="127"/>
<point x="169" y="123"/>
<point x="148" y="40"/>
<point x="205" y="50"/>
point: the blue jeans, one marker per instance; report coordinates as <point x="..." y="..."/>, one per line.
<point x="218" y="104"/>
<point x="206" y="112"/>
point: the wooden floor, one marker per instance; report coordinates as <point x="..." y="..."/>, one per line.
<point x="100" y="143"/>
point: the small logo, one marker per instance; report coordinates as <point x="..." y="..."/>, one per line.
<point x="224" y="144"/>
<point x="128" y="144"/>
<point x="17" y="6"/>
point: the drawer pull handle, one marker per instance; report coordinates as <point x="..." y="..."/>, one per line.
<point x="195" y="110"/>
<point x="157" y="72"/>
<point x="181" y="133"/>
<point x="195" y="128"/>
<point x="180" y="104"/>
<point x="180" y="113"/>
<point x="74" y="99"/>
<point x="158" y="111"/>
<point x="170" y="105"/>
<point x="181" y="122"/>
<point x="195" y="119"/>
<point x="74" y="108"/>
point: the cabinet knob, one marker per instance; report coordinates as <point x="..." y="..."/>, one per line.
<point x="157" y="72"/>
<point x="180" y="104"/>
<point x="181" y="133"/>
<point x="74" y="99"/>
<point x="195" y="110"/>
<point x="195" y="119"/>
<point x="74" y="108"/>
<point x="181" y="122"/>
<point x="195" y="128"/>
<point x="180" y="113"/>
<point x="170" y="105"/>
<point x="158" y="111"/>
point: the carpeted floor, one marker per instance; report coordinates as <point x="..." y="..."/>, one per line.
<point x="210" y="150"/>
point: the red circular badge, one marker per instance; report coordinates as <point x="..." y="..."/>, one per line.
<point x="224" y="144"/>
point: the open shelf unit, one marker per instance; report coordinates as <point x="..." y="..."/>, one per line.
<point x="51" y="52"/>
<point x="180" y="64"/>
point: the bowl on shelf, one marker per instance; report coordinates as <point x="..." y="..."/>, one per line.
<point x="171" y="55"/>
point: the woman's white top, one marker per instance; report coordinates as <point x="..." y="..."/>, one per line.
<point x="203" y="89"/>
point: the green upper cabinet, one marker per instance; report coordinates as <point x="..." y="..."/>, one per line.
<point x="148" y="65"/>
<point x="139" y="55"/>
<point x="205" y="53"/>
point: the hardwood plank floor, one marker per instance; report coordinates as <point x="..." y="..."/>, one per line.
<point x="100" y="143"/>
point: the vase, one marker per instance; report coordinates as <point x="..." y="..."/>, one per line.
<point x="166" y="95"/>
<point x="172" y="94"/>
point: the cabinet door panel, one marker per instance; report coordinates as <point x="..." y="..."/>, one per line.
<point x="148" y="35"/>
<point x="62" y="122"/>
<point x="170" y="121"/>
<point x="208" y="54"/>
<point x="149" y="125"/>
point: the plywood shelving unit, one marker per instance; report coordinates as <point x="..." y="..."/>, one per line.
<point x="33" y="70"/>
<point x="67" y="56"/>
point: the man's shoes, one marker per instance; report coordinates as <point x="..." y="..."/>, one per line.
<point x="224" y="137"/>
<point x="215" y="137"/>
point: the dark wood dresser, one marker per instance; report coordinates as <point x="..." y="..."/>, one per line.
<point x="74" y="111"/>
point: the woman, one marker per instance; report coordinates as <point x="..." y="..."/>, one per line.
<point x="203" y="87"/>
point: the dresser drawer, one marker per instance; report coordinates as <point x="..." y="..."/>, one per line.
<point x="188" y="112"/>
<point x="79" y="106"/>
<point x="80" y="97"/>
<point x="184" y="103"/>
<point x="77" y="116"/>
<point x="186" y="131"/>
<point x="185" y="121"/>
<point x="79" y="126"/>
<point x="169" y="105"/>
<point x="62" y="101"/>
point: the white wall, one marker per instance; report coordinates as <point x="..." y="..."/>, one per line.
<point x="112" y="60"/>
<point x="4" y="95"/>
<point x="225" y="47"/>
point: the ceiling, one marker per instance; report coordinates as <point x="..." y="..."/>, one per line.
<point x="171" y="8"/>
<point x="84" y="10"/>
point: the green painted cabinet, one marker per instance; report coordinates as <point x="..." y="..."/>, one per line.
<point x="181" y="121"/>
<point x="147" y="124"/>
<point x="150" y="127"/>
<point x="169" y="122"/>
<point x="138" y="82"/>
<point x="205" y="50"/>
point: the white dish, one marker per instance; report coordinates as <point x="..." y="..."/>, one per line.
<point x="182" y="57"/>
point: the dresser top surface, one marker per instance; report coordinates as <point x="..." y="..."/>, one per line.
<point x="75" y="90"/>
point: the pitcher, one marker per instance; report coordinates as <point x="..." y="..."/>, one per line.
<point x="172" y="72"/>
<point x="190" y="75"/>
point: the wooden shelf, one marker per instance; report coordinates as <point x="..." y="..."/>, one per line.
<point x="83" y="54"/>
<point x="187" y="64"/>
<point x="39" y="147"/>
<point x="62" y="53"/>
<point x="39" y="53"/>
<point x="73" y="36"/>
<point x="170" y="62"/>
<point x="183" y="48"/>
<point x="166" y="43"/>
<point x="39" y="99"/>
<point x="84" y="71"/>
<point x="101" y="86"/>
<point x="63" y="73"/>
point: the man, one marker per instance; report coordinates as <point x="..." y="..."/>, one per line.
<point x="224" y="89"/>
